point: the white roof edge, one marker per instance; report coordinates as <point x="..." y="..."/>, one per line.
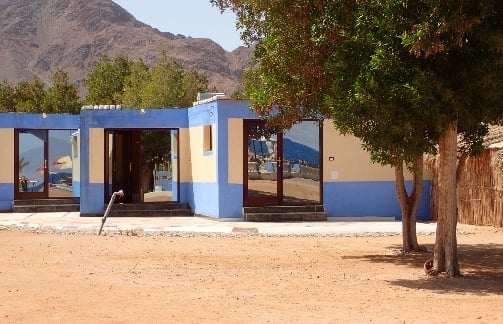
<point x="214" y="98"/>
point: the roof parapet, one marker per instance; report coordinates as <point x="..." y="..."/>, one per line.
<point x="101" y="107"/>
<point x="206" y="97"/>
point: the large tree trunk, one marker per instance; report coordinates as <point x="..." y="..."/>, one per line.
<point x="446" y="254"/>
<point x="409" y="205"/>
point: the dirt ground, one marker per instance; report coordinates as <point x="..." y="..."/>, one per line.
<point x="77" y="278"/>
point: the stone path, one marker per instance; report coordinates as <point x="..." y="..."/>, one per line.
<point x="72" y="223"/>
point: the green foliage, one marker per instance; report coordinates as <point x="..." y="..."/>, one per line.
<point x="290" y="79"/>
<point x="7" y="97"/>
<point x="164" y="87"/>
<point x="29" y="96"/>
<point x="192" y="83"/>
<point x="393" y="73"/>
<point x="166" y="84"/>
<point x="32" y="97"/>
<point x="113" y="81"/>
<point x="106" y="81"/>
<point x="61" y="97"/>
<point x="136" y="85"/>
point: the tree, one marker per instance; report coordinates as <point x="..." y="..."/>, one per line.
<point x="192" y="83"/>
<point x="7" y="99"/>
<point x="165" y="84"/>
<point x="106" y="80"/>
<point x="293" y="74"/>
<point x="29" y="96"/>
<point x="61" y="97"/>
<point x="431" y="69"/>
<point x="22" y="164"/>
<point x="461" y="42"/>
<point x="135" y="85"/>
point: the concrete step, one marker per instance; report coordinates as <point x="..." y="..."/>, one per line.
<point x="308" y="213"/>
<point x="285" y="217"/>
<point x="150" y="210"/>
<point x="284" y="209"/>
<point x="48" y="201"/>
<point x="149" y="206"/>
<point x="151" y="213"/>
<point x="45" y="208"/>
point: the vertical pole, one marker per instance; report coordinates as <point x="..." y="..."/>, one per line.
<point x="119" y="193"/>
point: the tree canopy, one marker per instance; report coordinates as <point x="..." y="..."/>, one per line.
<point x="61" y="97"/>
<point x="33" y="97"/>
<point x="402" y="75"/>
<point x="112" y="81"/>
<point x="106" y="81"/>
<point x="136" y="85"/>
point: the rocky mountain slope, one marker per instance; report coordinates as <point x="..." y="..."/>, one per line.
<point x="39" y="36"/>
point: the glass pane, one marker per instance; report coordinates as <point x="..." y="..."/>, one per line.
<point x="158" y="168"/>
<point x="31" y="161"/>
<point x="262" y="162"/>
<point x="301" y="166"/>
<point x="61" y="163"/>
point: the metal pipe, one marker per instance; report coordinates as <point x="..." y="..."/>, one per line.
<point x="119" y="193"/>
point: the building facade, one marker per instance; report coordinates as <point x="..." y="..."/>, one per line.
<point x="216" y="156"/>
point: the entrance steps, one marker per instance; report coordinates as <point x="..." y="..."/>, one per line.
<point x="167" y="209"/>
<point x="48" y="205"/>
<point x="308" y="213"/>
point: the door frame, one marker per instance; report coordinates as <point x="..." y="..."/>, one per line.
<point x="277" y="199"/>
<point x="134" y="194"/>
<point x="126" y="158"/>
<point x="31" y="195"/>
<point x="280" y="198"/>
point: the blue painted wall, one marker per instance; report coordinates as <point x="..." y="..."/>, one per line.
<point x="31" y="121"/>
<point x="37" y="121"/>
<point x="230" y="195"/>
<point x="92" y="195"/>
<point x="217" y="199"/>
<point x="6" y="196"/>
<point x="376" y="198"/>
<point x="134" y="118"/>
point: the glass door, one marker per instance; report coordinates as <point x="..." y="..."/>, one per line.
<point x="119" y="165"/>
<point x="282" y="168"/>
<point x="143" y="163"/>
<point x="302" y="164"/>
<point x="31" y="172"/>
<point x="263" y="167"/>
<point x="61" y="163"/>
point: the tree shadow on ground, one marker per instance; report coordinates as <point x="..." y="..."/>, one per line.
<point x="481" y="268"/>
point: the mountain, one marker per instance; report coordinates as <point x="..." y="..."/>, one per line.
<point x="39" y="36"/>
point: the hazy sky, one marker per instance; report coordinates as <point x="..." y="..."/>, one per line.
<point x="194" y="18"/>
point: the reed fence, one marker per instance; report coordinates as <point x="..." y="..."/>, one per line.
<point x="479" y="188"/>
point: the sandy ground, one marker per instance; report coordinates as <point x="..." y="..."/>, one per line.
<point x="77" y="278"/>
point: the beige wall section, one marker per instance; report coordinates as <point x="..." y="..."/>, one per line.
<point x="235" y="142"/>
<point x="350" y="161"/>
<point x="96" y="155"/>
<point x="204" y="166"/>
<point x="7" y="155"/>
<point x="76" y="158"/>
<point x="184" y="155"/>
<point x="76" y="169"/>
